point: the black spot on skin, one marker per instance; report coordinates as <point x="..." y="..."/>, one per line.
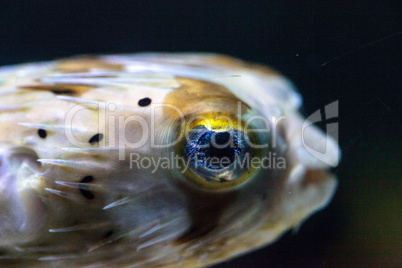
<point x="144" y="102"/>
<point x="87" y="179"/>
<point x="42" y="133"/>
<point x="108" y="234"/>
<point x="84" y="188"/>
<point x="59" y="89"/>
<point x="96" y="138"/>
<point x="63" y="92"/>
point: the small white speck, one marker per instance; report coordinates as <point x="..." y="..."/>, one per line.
<point x="112" y="107"/>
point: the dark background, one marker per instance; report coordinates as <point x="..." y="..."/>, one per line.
<point x="349" y="52"/>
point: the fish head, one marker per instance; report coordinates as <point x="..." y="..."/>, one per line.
<point x="159" y="159"/>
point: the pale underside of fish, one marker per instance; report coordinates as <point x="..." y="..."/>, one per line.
<point x="106" y="161"/>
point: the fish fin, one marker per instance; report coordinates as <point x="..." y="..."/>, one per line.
<point x="21" y="209"/>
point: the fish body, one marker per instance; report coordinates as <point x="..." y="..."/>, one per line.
<point x="108" y="161"/>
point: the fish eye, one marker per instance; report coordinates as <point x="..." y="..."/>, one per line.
<point x="216" y="149"/>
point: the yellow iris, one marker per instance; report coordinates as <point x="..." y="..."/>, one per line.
<point x="215" y="179"/>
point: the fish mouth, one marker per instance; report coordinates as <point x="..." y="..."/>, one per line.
<point x="314" y="192"/>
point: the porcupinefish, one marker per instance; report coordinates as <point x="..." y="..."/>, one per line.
<point x="173" y="160"/>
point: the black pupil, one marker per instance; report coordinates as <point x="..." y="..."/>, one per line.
<point x="223" y="149"/>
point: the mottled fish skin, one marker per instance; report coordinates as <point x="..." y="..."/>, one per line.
<point x="81" y="204"/>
